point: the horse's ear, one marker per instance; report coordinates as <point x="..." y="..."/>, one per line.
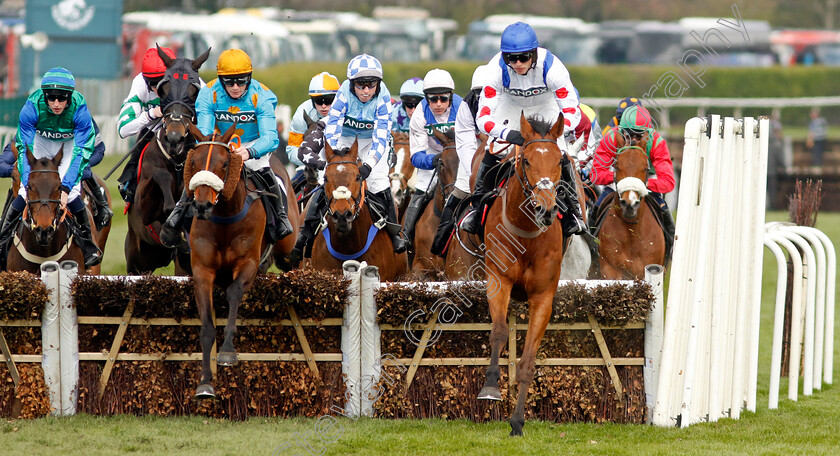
<point x="559" y="125"/>
<point x="618" y="138"/>
<point x="29" y="157"/>
<point x="57" y="159"/>
<point x="440" y="136"/>
<point x="328" y="151"/>
<point x="353" y="155"/>
<point x="196" y="132"/>
<point x="307" y="119"/>
<point x="229" y="133"/>
<point x="525" y="126"/>
<point x="198" y="61"/>
<point x="167" y="61"/>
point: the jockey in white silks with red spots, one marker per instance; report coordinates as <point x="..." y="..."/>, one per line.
<point x="524" y="77"/>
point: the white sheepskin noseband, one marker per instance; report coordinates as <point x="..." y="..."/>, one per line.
<point x="206" y="178"/>
<point x="342" y="193"/>
<point x="631" y="184"/>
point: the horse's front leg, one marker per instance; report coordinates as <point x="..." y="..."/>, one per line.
<point x="243" y="275"/>
<point x="203" y="278"/>
<point x="539" y="313"/>
<point x="498" y="298"/>
<point x="163" y="179"/>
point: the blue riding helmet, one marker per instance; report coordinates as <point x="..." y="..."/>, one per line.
<point x="519" y="37"/>
<point x="412" y="88"/>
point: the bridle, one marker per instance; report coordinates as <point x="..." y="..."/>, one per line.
<point x="168" y="118"/>
<point x="629" y="183"/>
<point x="59" y="215"/>
<point x="342" y="192"/>
<point x="543" y="183"/>
<point x="226" y="147"/>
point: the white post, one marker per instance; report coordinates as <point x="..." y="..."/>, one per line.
<point x="778" y="321"/>
<point x="69" y="339"/>
<point x="50" y="334"/>
<point x="795" y="314"/>
<point x="654" y="327"/>
<point x="351" y="341"/>
<point x="831" y="272"/>
<point x="370" y="341"/>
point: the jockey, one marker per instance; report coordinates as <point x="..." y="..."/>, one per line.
<point x="523" y="78"/>
<point x="234" y="91"/>
<point x="104" y="213"/>
<point x="466" y="144"/>
<point x="437" y="112"/>
<point x="411" y="92"/>
<point x="625" y="103"/>
<point x="55" y="117"/>
<point x="361" y="112"/>
<point x="139" y="113"/>
<point x="322" y="90"/>
<point x="636" y="122"/>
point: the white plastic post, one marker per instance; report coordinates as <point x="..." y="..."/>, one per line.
<point x="370" y="341"/>
<point x="831" y="273"/>
<point x="69" y="339"/>
<point x="50" y="336"/>
<point x="795" y="314"/>
<point x="654" y="328"/>
<point x="778" y="321"/>
<point x="351" y="341"/>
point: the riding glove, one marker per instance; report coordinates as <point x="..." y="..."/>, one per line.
<point x="364" y="171"/>
<point x="515" y="137"/>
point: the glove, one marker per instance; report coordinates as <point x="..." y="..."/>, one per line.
<point x="515" y="137"/>
<point x="436" y="160"/>
<point x="585" y="175"/>
<point x="364" y="171"/>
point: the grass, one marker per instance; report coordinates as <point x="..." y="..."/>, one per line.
<point x="808" y="426"/>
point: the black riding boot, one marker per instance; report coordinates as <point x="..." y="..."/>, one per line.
<point x="670" y="231"/>
<point x="314" y="213"/>
<point x="170" y="231"/>
<point x="572" y="221"/>
<point x="128" y="178"/>
<point x="282" y="226"/>
<point x="393" y="228"/>
<point x="10" y="224"/>
<point x="103" y="210"/>
<point x="412" y="213"/>
<point x="472" y="222"/>
<point x="447" y="221"/>
<point x="84" y="239"/>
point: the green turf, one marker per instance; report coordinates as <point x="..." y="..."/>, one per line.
<point x="810" y="426"/>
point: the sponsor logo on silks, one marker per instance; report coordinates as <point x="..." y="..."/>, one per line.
<point x="533" y="91"/>
<point x="357" y="124"/>
<point x="241" y="117"/>
<point x="72" y="14"/>
<point x="53" y="135"/>
<point x="441" y="127"/>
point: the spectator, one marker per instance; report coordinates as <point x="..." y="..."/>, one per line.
<point x="817" y="134"/>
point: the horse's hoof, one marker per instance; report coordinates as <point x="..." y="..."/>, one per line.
<point x="516" y="427"/>
<point x="226" y="358"/>
<point x="205" y="392"/>
<point x="490" y="393"/>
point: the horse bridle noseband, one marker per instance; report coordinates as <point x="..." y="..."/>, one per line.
<point x="212" y="143"/>
<point x="357" y="200"/>
<point x="185" y="122"/>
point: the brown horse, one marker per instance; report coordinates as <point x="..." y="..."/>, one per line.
<point x="524" y="253"/>
<point x="465" y="249"/>
<point x="402" y="174"/>
<point x="630" y="236"/>
<point x="43" y="234"/>
<point x="226" y="240"/>
<point x="425" y="263"/>
<point x="350" y="233"/>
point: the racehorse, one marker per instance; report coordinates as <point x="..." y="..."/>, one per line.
<point x="630" y="236"/>
<point x="313" y="139"/>
<point x="425" y="263"/>
<point x="160" y="173"/>
<point x="402" y="173"/>
<point x="523" y="250"/>
<point x="281" y="249"/>
<point x="350" y="233"/>
<point x="226" y="240"/>
<point x="44" y="234"/>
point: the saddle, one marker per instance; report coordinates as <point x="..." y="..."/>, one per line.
<point x="268" y="198"/>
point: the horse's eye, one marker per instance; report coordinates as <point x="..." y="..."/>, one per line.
<point x="525" y="162"/>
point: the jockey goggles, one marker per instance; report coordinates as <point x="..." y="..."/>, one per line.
<point x="410" y="102"/>
<point x="514" y="57"/>
<point x="438" y="98"/>
<point x="323" y="99"/>
<point x="632" y="132"/>
<point x="56" y="95"/>
<point x="230" y="81"/>
<point x="366" y="83"/>
<point x="152" y="83"/>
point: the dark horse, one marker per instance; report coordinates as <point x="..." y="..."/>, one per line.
<point x="402" y="174"/>
<point x="44" y="234"/>
<point x="524" y="248"/>
<point x="160" y="173"/>
<point x="630" y="236"/>
<point x="350" y="232"/>
<point x="226" y="240"/>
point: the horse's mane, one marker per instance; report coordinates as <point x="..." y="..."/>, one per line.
<point x="539" y="124"/>
<point x="341" y="152"/>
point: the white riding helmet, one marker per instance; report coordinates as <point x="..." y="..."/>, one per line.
<point x="323" y="84"/>
<point x="438" y="81"/>
<point x="412" y="88"/>
<point x="480" y="77"/>
<point x="364" y="66"/>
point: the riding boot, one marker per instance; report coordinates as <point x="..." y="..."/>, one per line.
<point x="572" y="221"/>
<point x="412" y="213"/>
<point x="84" y="239"/>
<point x="447" y="221"/>
<point x="472" y="222"/>
<point x="103" y="210"/>
<point x="670" y="231"/>
<point x="282" y="227"/>
<point x="10" y="224"/>
<point x="393" y="228"/>
<point x="314" y="213"/>
<point x="170" y="231"/>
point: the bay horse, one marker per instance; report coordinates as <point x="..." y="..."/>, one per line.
<point x="402" y="173"/>
<point x="524" y="248"/>
<point x="44" y="234"/>
<point x="425" y="263"/>
<point x="630" y="236"/>
<point x="160" y="173"/>
<point x="350" y="232"/>
<point x="226" y="240"/>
